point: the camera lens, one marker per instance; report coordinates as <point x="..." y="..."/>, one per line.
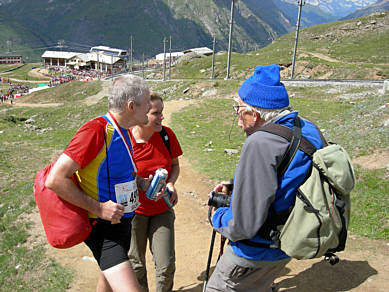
<point x="218" y="200"/>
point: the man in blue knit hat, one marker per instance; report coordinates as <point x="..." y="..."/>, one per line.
<point x="250" y="261"/>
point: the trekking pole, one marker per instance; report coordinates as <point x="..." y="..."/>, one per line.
<point x="209" y="259"/>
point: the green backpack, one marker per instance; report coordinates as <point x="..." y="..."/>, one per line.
<point x="317" y="224"/>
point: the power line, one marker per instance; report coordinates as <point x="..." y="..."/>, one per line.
<point x="32" y="49"/>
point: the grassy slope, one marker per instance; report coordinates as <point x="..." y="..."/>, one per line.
<point x="361" y="52"/>
<point x="20" y="72"/>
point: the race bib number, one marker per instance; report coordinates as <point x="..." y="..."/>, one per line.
<point x="127" y="195"/>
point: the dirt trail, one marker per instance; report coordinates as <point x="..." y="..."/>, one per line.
<point x="22" y="104"/>
<point x="322" y="56"/>
<point x="332" y="60"/>
<point x="104" y="92"/>
<point x="364" y="265"/>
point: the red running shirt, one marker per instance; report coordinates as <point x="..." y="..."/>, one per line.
<point x="149" y="157"/>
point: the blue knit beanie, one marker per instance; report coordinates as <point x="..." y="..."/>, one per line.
<point x="263" y="89"/>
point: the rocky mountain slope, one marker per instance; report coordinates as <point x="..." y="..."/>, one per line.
<point x="380" y="5"/>
<point x="337" y="8"/>
<point x="30" y="27"/>
<point x="86" y="23"/>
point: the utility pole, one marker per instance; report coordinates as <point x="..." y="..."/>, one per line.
<point x="131" y="39"/>
<point x="60" y="44"/>
<point x="301" y="3"/>
<point x="170" y="54"/>
<point x="164" y="59"/>
<point x="143" y="66"/>
<point x="230" y="39"/>
<point x="213" y="58"/>
<point x="98" y="65"/>
<point x="111" y="67"/>
<point x="9" y="44"/>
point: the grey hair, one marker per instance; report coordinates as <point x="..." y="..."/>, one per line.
<point x="266" y="114"/>
<point x="125" y="89"/>
<point x="269" y="114"/>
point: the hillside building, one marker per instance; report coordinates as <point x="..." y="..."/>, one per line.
<point x="11" y="59"/>
<point x="80" y="61"/>
<point x="97" y="60"/>
<point x="102" y="62"/>
<point x="109" y="51"/>
<point x="175" y="55"/>
<point x="57" y="58"/>
<point x="200" y="51"/>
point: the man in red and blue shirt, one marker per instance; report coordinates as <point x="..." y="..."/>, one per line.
<point x="100" y="155"/>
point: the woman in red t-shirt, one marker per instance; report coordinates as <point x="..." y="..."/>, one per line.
<point x="154" y="221"/>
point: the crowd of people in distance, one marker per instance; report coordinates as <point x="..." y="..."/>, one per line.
<point x="6" y="96"/>
<point x="12" y="90"/>
<point x="58" y="75"/>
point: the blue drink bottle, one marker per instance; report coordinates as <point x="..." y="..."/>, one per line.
<point x="156" y="184"/>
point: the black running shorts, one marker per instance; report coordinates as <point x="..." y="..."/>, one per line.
<point x="109" y="242"/>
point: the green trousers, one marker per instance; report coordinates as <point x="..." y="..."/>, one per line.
<point x="159" y="231"/>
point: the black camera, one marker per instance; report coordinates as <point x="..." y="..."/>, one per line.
<point x="218" y="200"/>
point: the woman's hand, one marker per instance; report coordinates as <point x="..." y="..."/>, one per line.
<point x="143" y="183"/>
<point x="173" y="194"/>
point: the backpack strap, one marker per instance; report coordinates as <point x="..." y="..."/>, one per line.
<point x="268" y="230"/>
<point x="294" y="137"/>
<point x="289" y="134"/>
<point x="165" y="138"/>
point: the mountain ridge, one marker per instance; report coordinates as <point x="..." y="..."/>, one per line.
<point x="338" y="8"/>
<point x="103" y="22"/>
<point x="379" y="6"/>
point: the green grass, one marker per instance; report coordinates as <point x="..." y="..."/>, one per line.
<point x="68" y="92"/>
<point x="339" y="118"/>
<point x="8" y="67"/>
<point x="370" y="204"/>
<point x="197" y="89"/>
<point x="206" y="127"/>
<point x="22" y="73"/>
<point x="23" y="264"/>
